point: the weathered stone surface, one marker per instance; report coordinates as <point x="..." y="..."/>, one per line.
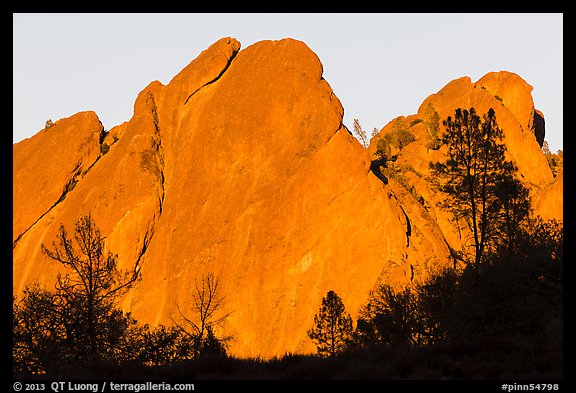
<point x="514" y="110"/>
<point x="49" y="164"/>
<point x="269" y="192"/>
<point x="241" y="167"/>
<point x="539" y="127"/>
<point x="122" y="191"/>
<point x="510" y="97"/>
<point x="514" y="93"/>
<point x="549" y="202"/>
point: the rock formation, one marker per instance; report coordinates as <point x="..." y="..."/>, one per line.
<point x="241" y="167"/>
<point x="523" y="125"/>
<point x="49" y="165"/>
<point x="549" y="202"/>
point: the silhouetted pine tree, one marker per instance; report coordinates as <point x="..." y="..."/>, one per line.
<point x="88" y="292"/>
<point x="479" y="181"/>
<point x="332" y="329"/>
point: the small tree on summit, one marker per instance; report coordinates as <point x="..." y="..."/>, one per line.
<point x="332" y="329"/>
<point x="432" y="124"/>
<point x="361" y="134"/>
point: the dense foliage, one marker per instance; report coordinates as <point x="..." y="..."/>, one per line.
<point x="79" y="323"/>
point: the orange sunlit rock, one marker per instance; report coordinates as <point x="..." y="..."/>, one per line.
<point x="240" y="166"/>
<point x="510" y="97"/>
<point x="49" y="164"/>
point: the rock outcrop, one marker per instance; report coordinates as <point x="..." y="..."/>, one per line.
<point x="523" y="126"/>
<point x="549" y="202"/>
<point x="240" y="167"/>
<point x="49" y="165"/>
<point x="539" y="127"/>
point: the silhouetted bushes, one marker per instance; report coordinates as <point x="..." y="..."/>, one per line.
<point x="501" y="321"/>
<point x="516" y="296"/>
<point x="79" y="324"/>
<point x="485" y="358"/>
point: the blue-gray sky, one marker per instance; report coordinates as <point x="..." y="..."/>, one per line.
<point x="379" y="65"/>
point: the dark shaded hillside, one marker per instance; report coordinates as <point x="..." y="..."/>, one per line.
<point x="487" y="359"/>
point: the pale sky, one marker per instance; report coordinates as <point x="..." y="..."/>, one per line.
<point x="379" y="65"/>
